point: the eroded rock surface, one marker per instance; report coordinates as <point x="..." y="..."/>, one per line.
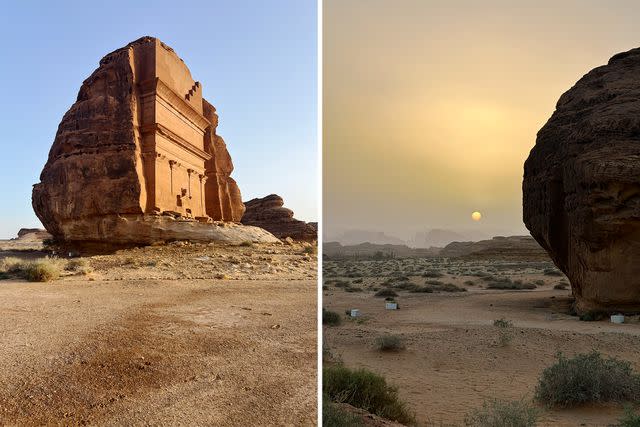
<point x="139" y="142"/>
<point x="269" y="213"/>
<point x="581" y="189"/>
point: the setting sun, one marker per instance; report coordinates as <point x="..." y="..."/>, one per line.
<point x="476" y="216"/>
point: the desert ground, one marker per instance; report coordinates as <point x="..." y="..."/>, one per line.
<point x="181" y="334"/>
<point x="454" y="357"/>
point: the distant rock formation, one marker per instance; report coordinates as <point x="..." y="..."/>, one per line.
<point x="269" y="213"/>
<point x="335" y="249"/>
<point x="581" y="189"/>
<point x="512" y="247"/>
<point x="33" y="234"/>
<point x="355" y="237"/>
<point x="137" y="158"/>
<point x="439" y="238"/>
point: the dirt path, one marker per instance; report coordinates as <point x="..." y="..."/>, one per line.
<point x="453" y="360"/>
<point x="86" y="350"/>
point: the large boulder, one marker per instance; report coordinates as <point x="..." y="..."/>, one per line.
<point x="269" y="213"/>
<point x="581" y="188"/>
<point x="136" y="158"/>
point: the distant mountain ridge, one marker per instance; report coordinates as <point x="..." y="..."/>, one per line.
<point x="355" y="237"/>
<point x="439" y="237"/>
<point x="499" y="247"/>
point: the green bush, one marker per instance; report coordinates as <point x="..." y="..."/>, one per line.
<point x="389" y="343"/>
<point x="333" y="416"/>
<point x="508" y="284"/>
<point x="503" y="413"/>
<point x="364" y="389"/>
<point x="629" y="418"/>
<point x="386" y="293"/>
<point x="587" y="378"/>
<point x="330" y="318"/>
<point x="438" y="286"/>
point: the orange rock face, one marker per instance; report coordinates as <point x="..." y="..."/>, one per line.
<point x="140" y="140"/>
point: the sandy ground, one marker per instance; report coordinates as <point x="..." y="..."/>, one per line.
<point x="175" y="335"/>
<point x="454" y="361"/>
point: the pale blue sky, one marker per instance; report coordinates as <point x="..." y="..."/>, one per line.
<point x="257" y="61"/>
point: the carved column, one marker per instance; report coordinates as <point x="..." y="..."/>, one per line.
<point x="171" y="163"/>
<point x="203" y="180"/>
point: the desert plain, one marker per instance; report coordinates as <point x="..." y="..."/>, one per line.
<point x="175" y="334"/>
<point x="452" y="357"/>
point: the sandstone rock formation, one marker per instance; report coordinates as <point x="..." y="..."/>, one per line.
<point x="33" y="234"/>
<point x="137" y="157"/>
<point x="522" y="248"/>
<point x="581" y="188"/>
<point x="269" y="213"/>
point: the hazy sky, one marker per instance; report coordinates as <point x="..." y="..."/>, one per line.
<point x="257" y="61"/>
<point x="431" y="107"/>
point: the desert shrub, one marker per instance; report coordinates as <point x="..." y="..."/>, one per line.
<point x="421" y="289"/>
<point x="503" y="413"/>
<point x="508" y="284"/>
<point x="432" y="273"/>
<point x="364" y="389"/>
<point x="503" y="323"/>
<point x="352" y="289"/>
<point x="470" y="283"/>
<point x="333" y="416"/>
<point x="11" y="265"/>
<point x="629" y="418"/>
<point x="389" y="343"/>
<point x="79" y="265"/>
<point x="538" y="282"/>
<point x="437" y="285"/>
<point x="386" y="293"/>
<point x="74" y="264"/>
<point x="407" y="286"/>
<point x="587" y="378"/>
<point x="560" y="286"/>
<point x="341" y="283"/>
<point x="330" y="318"/>
<point x="552" y="272"/>
<point x="358" y="280"/>
<point x="592" y="316"/>
<point x="450" y="287"/>
<point x="310" y="250"/>
<point x="42" y="270"/>
<point x="246" y="244"/>
<point x="505" y="328"/>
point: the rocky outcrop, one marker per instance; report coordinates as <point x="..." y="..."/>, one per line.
<point x="269" y="213"/>
<point x="522" y="248"/>
<point x="138" y="142"/>
<point x="33" y="234"/>
<point x="581" y="189"/>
